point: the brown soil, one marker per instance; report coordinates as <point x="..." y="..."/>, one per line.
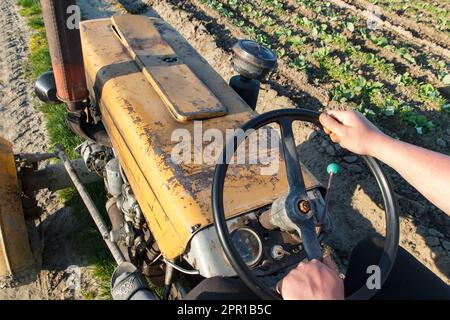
<point x="292" y="80"/>
<point x="423" y="72"/>
<point x="427" y="37"/>
<point x="400" y="64"/>
<point x="408" y="21"/>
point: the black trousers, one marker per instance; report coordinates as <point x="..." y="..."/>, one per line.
<point x="409" y="279"/>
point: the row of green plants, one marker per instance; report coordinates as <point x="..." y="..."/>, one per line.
<point x="337" y="18"/>
<point x="427" y="12"/>
<point x="337" y="37"/>
<point x="378" y="66"/>
<point x="338" y="21"/>
<point x="297" y="37"/>
<point x="423" y="92"/>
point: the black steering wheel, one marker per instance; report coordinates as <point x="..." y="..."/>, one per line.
<point x="299" y="210"/>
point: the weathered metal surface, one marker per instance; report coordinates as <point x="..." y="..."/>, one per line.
<point x="184" y="94"/>
<point x="15" y="252"/>
<point x="175" y="198"/>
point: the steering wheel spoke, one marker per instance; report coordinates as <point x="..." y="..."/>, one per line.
<point x="311" y="242"/>
<point x="293" y="168"/>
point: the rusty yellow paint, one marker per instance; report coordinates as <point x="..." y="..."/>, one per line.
<point x="175" y="198"/>
<point x="184" y="94"/>
<point x="15" y="252"/>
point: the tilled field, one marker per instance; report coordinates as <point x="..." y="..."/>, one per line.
<point x="424" y="19"/>
<point x="338" y="54"/>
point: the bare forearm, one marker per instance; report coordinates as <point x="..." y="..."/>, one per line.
<point x="425" y="170"/>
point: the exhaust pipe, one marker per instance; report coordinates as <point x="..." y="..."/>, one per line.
<point x="68" y="67"/>
<point x="65" y="50"/>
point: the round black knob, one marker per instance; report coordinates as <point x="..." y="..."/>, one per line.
<point x="252" y="60"/>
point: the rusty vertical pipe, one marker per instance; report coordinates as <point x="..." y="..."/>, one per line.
<point x="64" y="42"/>
<point x="65" y="50"/>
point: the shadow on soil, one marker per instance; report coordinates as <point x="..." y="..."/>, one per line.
<point x="68" y="238"/>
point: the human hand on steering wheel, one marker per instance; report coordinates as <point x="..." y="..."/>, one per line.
<point x="352" y="131"/>
<point x="312" y="280"/>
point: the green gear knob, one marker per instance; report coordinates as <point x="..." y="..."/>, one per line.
<point x="333" y="168"/>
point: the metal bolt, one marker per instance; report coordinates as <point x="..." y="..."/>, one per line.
<point x="278" y="252"/>
<point x="304" y="206"/>
<point x="170" y="59"/>
<point x="195" y="228"/>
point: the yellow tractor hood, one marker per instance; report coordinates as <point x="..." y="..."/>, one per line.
<point x="148" y="82"/>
